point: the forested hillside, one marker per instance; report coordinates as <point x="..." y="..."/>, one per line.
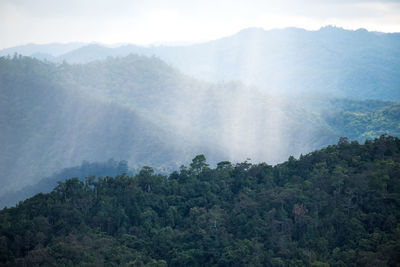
<point x="338" y="206"/>
<point x="363" y="124"/>
<point x="48" y="124"/>
<point x="144" y="111"/>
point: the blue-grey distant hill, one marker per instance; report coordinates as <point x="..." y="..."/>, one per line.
<point x="331" y="61"/>
<point x="39" y="50"/>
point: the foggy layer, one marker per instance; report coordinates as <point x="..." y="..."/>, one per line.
<point x="141" y="109"/>
<point x="137" y="109"/>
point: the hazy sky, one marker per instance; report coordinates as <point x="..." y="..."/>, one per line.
<point x="155" y="21"/>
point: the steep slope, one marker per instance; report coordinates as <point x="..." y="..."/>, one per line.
<point x="48" y="125"/>
<point x="339" y="206"/>
<point x="142" y="110"/>
<point x="226" y="117"/>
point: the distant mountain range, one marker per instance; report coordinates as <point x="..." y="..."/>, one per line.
<point x="331" y="61"/>
<point x="50" y="51"/>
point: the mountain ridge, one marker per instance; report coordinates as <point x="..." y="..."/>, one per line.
<point x="291" y="61"/>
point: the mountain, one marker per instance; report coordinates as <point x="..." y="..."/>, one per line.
<point x="292" y="62"/>
<point x="223" y="114"/>
<point x="338" y="206"/>
<point x="142" y="110"/>
<point x="49" y="124"/>
<point x="331" y="61"/>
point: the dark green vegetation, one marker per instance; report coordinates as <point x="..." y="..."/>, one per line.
<point x="142" y="110"/>
<point x="338" y="206"/>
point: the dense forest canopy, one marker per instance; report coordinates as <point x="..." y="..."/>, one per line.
<point x="338" y="206"/>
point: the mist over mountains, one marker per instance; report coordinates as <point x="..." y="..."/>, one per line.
<point x="263" y="95"/>
<point x="166" y="133"/>
<point x="50" y="122"/>
<point x="331" y="61"/>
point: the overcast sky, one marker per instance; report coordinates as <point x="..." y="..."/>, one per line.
<point x="168" y="21"/>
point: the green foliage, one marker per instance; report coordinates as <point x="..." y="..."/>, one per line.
<point x="364" y="121"/>
<point x="338" y="206"/>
